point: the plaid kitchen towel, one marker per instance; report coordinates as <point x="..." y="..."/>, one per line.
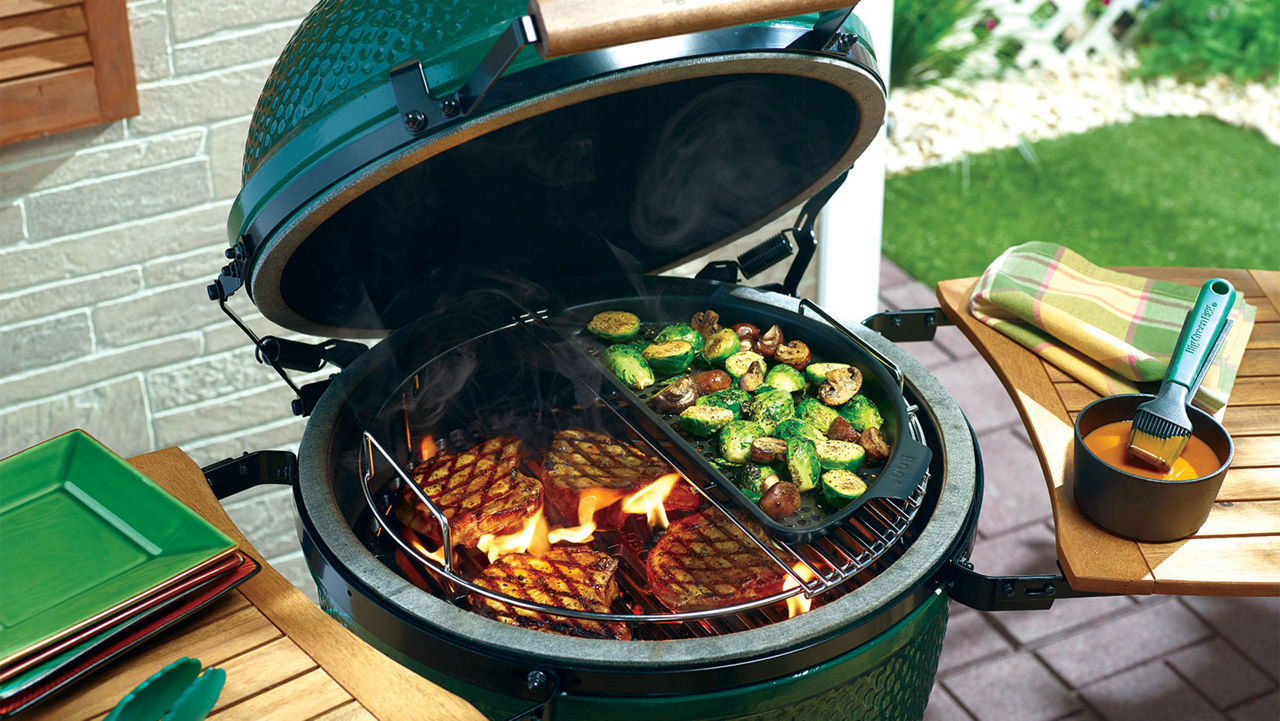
<point x="1107" y="330"/>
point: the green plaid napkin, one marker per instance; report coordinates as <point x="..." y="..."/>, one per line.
<point x="1108" y="330"/>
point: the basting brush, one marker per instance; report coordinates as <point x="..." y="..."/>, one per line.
<point x="1161" y="426"/>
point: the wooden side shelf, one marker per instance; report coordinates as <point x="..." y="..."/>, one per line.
<point x="284" y="657"/>
<point x="1237" y="551"/>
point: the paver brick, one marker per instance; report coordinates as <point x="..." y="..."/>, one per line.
<point x="891" y="274"/>
<point x="199" y="99"/>
<point x="114" y="413"/>
<point x="1220" y="673"/>
<point x="944" y="708"/>
<point x="1012" y="687"/>
<point x="188" y="425"/>
<point x="969" y="637"/>
<point x="100" y="367"/>
<point x="200" y="264"/>
<point x="226" y="155"/>
<point x="49" y="300"/>
<point x="283" y="434"/>
<point x="95" y="204"/>
<point x="71" y="140"/>
<point x="1252" y="625"/>
<point x="99" y="162"/>
<point x="207" y="378"/>
<point x="196" y="18"/>
<point x="149" y="31"/>
<point x="1015" y="493"/>
<point x="44" y="342"/>
<point x="154" y="314"/>
<point x="1264" y="708"/>
<point x="12" y="226"/>
<point x="1118" y="643"/>
<point x="220" y="51"/>
<point x="1146" y="693"/>
<point x="979" y="393"/>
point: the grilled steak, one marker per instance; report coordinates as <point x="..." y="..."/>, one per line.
<point x="581" y="459"/>
<point x="567" y="576"/>
<point x="480" y="491"/>
<point x="705" y="561"/>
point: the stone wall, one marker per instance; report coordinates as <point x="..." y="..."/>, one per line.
<point x="108" y="236"/>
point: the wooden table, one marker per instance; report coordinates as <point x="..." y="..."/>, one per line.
<point x="1237" y="551"/>
<point x="284" y="657"/>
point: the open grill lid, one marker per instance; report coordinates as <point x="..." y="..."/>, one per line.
<point x="381" y="179"/>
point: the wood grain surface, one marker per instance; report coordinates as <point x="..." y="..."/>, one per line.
<point x="284" y="657"/>
<point x="1237" y="551"/>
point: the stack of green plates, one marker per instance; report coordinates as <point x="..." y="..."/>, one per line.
<point x="94" y="558"/>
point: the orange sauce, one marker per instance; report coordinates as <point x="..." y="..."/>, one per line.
<point x="1111" y="444"/>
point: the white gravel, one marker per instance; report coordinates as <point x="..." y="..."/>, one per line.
<point x="936" y="125"/>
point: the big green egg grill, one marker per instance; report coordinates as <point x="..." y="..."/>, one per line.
<point x="465" y="183"/>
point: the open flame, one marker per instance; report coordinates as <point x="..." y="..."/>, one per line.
<point x="427" y="447"/>
<point x="590" y="500"/>
<point x="436" y="555"/>
<point x="532" y="538"/>
<point x="648" y="500"/>
<point x="798" y="603"/>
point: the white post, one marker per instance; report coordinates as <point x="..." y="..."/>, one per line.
<point x="849" y="227"/>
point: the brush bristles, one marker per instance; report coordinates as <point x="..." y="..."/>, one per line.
<point x="1156" y="440"/>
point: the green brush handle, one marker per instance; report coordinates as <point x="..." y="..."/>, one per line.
<point x="1204" y="322"/>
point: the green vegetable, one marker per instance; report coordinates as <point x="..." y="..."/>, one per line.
<point x="739" y="363"/>
<point x="817" y="372"/>
<point x="615" y="326"/>
<point x="751" y="479"/>
<point x="761" y="390"/>
<point x="681" y="331"/>
<point x="735" y="399"/>
<point x="862" y="413"/>
<point x="771" y="408"/>
<point x="672" y="356"/>
<point x="817" y="413"/>
<point x="736" y="438"/>
<point x="840" y="488"/>
<point x="705" y="420"/>
<point x="840" y="455"/>
<point x="797" y="428"/>
<point x="785" y="377"/>
<point x="722" y="344"/>
<point x="625" y="362"/>
<point x="802" y="463"/>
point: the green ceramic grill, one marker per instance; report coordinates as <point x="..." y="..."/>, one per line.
<point x="407" y="159"/>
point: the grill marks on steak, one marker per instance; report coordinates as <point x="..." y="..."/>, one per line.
<point x="480" y="491"/>
<point x="581" y="459"/>
<point x="705" y="561"/>
<point x="567" y="576"/>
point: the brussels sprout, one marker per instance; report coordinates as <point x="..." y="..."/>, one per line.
<point x="818" y="415"/>
<point x="625" y="362"/>
<point x="797" y="428"/>
<point x="802" y="463"/>
<point x="731" y="398"/>
<point x="615" y="326"/>
<point x="736" y="438"/>
<point x="840" y="488"/>
<point x="771" y="408"/>
<point x="840" y="455"/>
<point x="750" y="479"/>
<point x="667" y="357"/>
<point x="705" y="420"/>
<point x="861" y="413"/>
<point x="681" y="331"/>
<point x="739" y="363"/>
<point x="817" y="372"/>
<point x="722" y="344"/>
<point x="785" y="377"/>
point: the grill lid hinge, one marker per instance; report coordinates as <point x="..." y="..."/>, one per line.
<point x="905" y="326"/>
<point x="232" y="475"/>
<point x="1006" y="593"/>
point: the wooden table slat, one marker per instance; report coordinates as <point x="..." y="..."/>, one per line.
<point x="303" y="697"/>
<point x="47" y="25"/>
<point x="347" y="712"/>
<point x="1238" y="550"/>
<point x="265" y="666"/>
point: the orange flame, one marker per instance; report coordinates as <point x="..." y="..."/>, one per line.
<point x="648" y="500"/>
<point x="590" y="500"/>
<point x="436" y="555"/>
<point x="798" y="603"/>
<point x="532" y="538"/>
<point x="427" y="447"/>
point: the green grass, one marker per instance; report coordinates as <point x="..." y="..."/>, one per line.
<point x="1157" y="191"/>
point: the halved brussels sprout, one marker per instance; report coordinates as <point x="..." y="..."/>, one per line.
<point x="797" y="428"/>
<point x="615" y="326"/>
<point x="667" y="357"/>
<point x="840" y="488"/>
<point x="736" y="438"/>
<point x="785" y="377"/>
<point x="732" y="398"/>
<point x="840" y="455"/>
<point x="817" y="414"/>
<point x="625" y="362"/>
<point x="722" y="344"/>
<point x="739" y="363"/>
<point x="861" y="413"/>
<point x="817" y="372"/>
<point x="681" y="331"/>
<point x="705" y="420"/>
<point x="771" y="408"/>
<point x="802" y="463"/>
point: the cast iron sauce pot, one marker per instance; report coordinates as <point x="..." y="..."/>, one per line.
<point x="411" y="166"/>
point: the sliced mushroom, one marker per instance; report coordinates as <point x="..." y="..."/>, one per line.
<point x="794" y="354"/>
<point x="873" y="443"/>
<point x="752" y="379"/>
<point x="841" y="385"/>
<point x="676" y="397"/>
<point x="711" y="381"/>
<point x="768" y="450"/>
<point x="769" y="342"/>
<point x="842" y="430"/>
<point x="706" y="322"/>
<point x="781" y="500"/>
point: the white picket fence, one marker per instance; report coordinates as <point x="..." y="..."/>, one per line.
<point x="1046" y="33"/>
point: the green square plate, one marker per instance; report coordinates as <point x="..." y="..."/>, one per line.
<point x="83" y="532"/>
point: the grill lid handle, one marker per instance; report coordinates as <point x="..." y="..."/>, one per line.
<point x="566" y="27"/>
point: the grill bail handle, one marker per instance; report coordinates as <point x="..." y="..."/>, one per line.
<point x="566" y="27"/>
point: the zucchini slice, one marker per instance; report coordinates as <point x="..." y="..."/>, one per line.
<point x="615" y="326"/>
<point x="840" y="455"/>
<point x="840" y="488"/>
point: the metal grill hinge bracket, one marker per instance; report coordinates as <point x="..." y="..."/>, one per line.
<point x="1007" y="593"/>
<point x="232" y="475"/>
<point x="905" y="326"/>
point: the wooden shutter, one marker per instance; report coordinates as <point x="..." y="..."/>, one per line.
<point x="64" y="64"/>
